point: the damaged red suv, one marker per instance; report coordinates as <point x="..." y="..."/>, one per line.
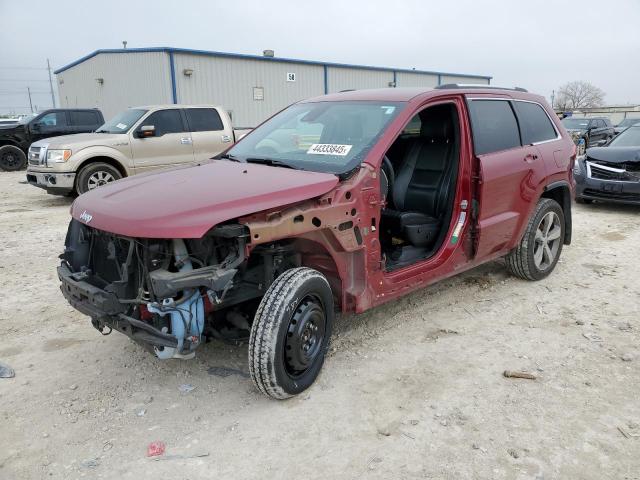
<point x="337" y="203"/>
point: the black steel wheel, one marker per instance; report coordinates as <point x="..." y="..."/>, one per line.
<point x="290" y="333"/>
<point x="12" y="158"/>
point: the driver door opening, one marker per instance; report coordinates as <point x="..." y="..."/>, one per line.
<point x="418" y="180"/>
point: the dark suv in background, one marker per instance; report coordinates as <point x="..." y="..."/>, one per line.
<point x="15" y="139"/>
<point x="594" y="131"/>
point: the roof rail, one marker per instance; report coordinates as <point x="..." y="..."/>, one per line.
<point x="476" y="85"/>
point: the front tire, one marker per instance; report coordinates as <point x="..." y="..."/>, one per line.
<point x="290" y="333"/>
<point x="538" y="252"/>
<point x="12" y="158"/>
<point x="95" y="175"/>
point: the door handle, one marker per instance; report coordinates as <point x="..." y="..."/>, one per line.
<point x="186" y="141"/>
<point x="530" y="157"/>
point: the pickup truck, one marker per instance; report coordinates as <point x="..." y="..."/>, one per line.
<point x="15" y="138"/>
<point x="137" y="140"/>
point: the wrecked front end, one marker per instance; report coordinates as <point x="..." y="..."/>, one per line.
<point x="167" y="294"/>
<point x="608" y="174"/>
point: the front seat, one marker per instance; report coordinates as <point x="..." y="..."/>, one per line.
<point x="424" y="181"/>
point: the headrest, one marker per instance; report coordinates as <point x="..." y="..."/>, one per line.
<point x="436" y="123"/>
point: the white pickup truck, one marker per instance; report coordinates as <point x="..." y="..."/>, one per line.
<point x="137" y="140"/>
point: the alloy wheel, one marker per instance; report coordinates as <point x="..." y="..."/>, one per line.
<point x="98" y="179"/>
<point x="547" y="241"/>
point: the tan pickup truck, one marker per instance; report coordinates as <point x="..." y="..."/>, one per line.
<point x="137" y="140"/>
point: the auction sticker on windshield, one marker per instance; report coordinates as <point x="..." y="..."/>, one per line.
<point x="329" y="149"/>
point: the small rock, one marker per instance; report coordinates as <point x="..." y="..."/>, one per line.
<point x="414" y="422"/>
<point x="579" y="322"/>
<point x="140" y="412"/>
<point x="90" y="463"/>
<point x="45" y="435"/>
<point x="73" y="387"/>
<point x="513" y="452"/>
<point x="186" y="388"/>
<point x="627" y="357"/>
<point x="475" y="446"/>
<point x="148" y="400"/>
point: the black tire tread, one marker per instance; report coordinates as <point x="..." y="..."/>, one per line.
<point x="21" y="155"/>
<point x="82" y="174"/>
<point x="517" y="261"/>
<point x="264" y="330"/>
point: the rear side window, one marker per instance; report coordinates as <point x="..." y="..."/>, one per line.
<point x="84" y="118"/>
<point x="165" y="121"/>
<point x="204" y="119"/>
<point x="534" y="123"/>
<point x="494" y="126"/>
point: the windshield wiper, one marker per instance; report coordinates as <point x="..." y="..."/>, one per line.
<point x="227" y="157"/>
<point x="271" y="162"/>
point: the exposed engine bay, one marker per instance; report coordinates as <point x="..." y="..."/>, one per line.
<point x="170" y="294"/>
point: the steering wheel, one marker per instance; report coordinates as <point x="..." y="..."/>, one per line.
<point x="387" y="178"/>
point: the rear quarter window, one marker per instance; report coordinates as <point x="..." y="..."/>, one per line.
<point x="535" y="124"/>
<point x="84" y="118"/>
<point x="494" y="126"/>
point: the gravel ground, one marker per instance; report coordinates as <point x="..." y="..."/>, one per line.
<point x="414" y="389"/>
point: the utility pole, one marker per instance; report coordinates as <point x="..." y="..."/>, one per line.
<point x="53" y="98"/>
<point x="553" y="97"/>
<point x="124" y="44"/>
<point x="30" y="104"/>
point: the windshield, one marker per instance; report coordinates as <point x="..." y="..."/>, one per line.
<point x="629" y="138"/>
<point x="575" y="123"/>
<point x="331" y="137"/>
<point x="627" y="122"/>
<point x="122" y="122"/>
<point x="26" y="118"/>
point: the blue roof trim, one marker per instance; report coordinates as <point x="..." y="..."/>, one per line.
<point x="258" y="57"/>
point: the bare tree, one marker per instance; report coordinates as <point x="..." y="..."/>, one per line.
<point x="579" y="94"/>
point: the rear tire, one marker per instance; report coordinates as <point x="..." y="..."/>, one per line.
<point x="95" y="175"/>
<point x="538" y="252"/>
<point x="290" y="333"/>
<point x="12" y="158"/>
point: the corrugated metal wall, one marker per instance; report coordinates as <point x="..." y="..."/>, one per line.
<point x="129" y="80"/>
<point x="406" y="79"/>
<point x="342" y="78"/>
<point x="143" y="78"/>
<point x="230" y="82"/>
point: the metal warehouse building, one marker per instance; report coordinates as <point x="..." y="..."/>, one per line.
<point x="250" y="87"/>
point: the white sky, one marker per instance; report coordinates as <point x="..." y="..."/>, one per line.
<point x="538" y="44"/>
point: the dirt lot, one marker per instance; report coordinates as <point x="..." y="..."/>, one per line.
<point x="410" y="390"/>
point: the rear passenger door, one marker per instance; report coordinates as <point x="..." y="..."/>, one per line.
<point x="509" y="174"/>
<point x="171" y="145"/>
<point x="207" y="132"/>
<point x="83" y="121"/>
